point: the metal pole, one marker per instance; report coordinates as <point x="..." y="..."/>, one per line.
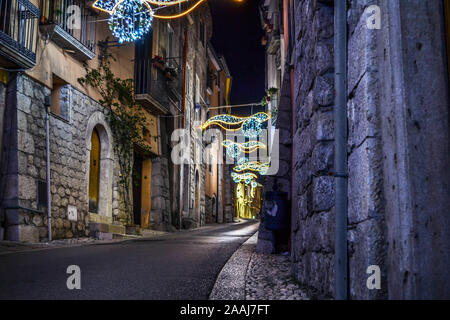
<point x="47" y="146"/>
<point x="341" y="176"/>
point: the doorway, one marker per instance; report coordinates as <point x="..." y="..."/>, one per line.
<point x="94" y="172"/>
<point x="137" y="188"/>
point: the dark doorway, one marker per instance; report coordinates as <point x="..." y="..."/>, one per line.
<point x="137" y="188"/>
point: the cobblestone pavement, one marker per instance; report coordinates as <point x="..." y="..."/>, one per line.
<point x="269" y="278"/>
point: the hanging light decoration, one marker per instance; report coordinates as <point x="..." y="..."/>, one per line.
<point x="235" y="149"/>
<point x="131" y="20"/>
<point x="247" y="177"/>
<point x="105" y="5"/>
<point x="244" y="165"/>
<point x="230" y="122"/>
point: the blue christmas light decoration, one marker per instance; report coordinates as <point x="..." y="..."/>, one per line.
<point x="247" y="177"/>
<point x="235" y="149"/>
<point x="131" y="20"/>
<point x="251" y="128"/>
<point x="105" y="5"/>
<point x="244" y="164"/>
<point x="234" y="123"/>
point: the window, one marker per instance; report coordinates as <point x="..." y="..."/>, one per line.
<point x="42" y="194"/>
<point x="60" y="98"/>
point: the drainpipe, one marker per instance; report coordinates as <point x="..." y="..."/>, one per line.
<point x="341" y="175"/>
<point x="47" y="147"/>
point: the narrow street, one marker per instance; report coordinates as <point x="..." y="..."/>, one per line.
<point x="177" y="266"/>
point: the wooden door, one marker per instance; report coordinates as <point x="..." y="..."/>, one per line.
<point x="94" y="172"/>
<point x="137" y="188"/>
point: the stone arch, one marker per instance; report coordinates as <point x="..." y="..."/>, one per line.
<point x="98" y="122"/>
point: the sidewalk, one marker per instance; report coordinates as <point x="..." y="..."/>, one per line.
<point x="7" y="247"/>
<point x="252" y="276"/>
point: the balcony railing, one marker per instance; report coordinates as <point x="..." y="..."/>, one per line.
<point x="18" y="33"/>
<point x="154" y="88"/>
<point x="71" y="24"/>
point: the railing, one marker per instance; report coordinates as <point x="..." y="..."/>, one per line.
<point x="63" y="13"/>
<point x="154" y="82"/>
<point x="18" y="30"/>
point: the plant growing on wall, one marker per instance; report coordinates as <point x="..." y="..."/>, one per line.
<point x="126" y="119"/>
<point x="268" y="96"/>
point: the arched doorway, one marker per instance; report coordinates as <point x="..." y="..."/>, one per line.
<point x="99" y="167"/>
<point x="94" y="172"/>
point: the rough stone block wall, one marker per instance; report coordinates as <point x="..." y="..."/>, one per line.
<point x="366" y="222"/>
<point x="313" y="190"/>
<point x="160" y="215"/>
<point x="69" y="162"/>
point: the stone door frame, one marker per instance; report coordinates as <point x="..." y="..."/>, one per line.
<point x="98" y="121"/>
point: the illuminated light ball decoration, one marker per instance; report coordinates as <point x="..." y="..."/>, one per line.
<point x="131" y="20"/>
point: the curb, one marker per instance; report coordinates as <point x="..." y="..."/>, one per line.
<point x="230" y="284"/>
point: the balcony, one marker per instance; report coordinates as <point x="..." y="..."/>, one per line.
<point x="155" y="87"/>
<point x="18" y="33"/>
<point x="77" y="36"/>
<point x="273" y="32"/>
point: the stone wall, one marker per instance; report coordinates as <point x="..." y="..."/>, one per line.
<point x="2" y="123"/>
<point x="414" y="114"/>
<point x="160" y="215"/>
<point x="25" y="162"/>
<point x="313" y="189"/>
<point x="398" y="98"/>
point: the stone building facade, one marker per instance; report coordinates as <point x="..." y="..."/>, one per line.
<point x="398" y="184"/>
<point x="76" y="117"/>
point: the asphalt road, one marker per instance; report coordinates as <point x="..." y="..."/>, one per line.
<point x="183" y="265"/>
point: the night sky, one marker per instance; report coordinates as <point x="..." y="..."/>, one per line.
<point x="237" y="35"/>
